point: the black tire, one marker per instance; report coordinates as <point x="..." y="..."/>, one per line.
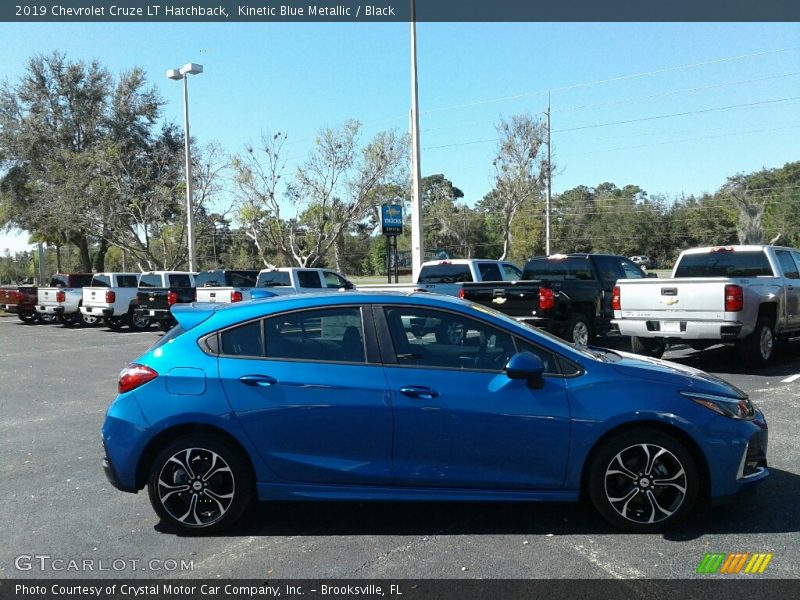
<point x="578" y="330"/>
<point x="136" y="322"/>
<point x="648" y="347"/>
<point x="47" y="319"/>
<point x="204" y="506"/>
<point x="28" y="318"/>
<point x="70" y="320"/>
<point x="758" y="348"/>
<point x="166" y="324"/>
<point x="114" y="323"/>
<point x="643" y="480"/>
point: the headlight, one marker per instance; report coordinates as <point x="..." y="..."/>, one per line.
<point x="735" y="408"/>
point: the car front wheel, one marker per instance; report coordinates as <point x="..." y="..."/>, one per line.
<point x="200" y="484"/>
<point x="643" y="480"/>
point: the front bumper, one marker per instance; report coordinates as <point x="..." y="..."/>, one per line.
<point x="682" y="329"/>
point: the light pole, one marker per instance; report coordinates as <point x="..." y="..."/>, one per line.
<point x="177" y="74"/>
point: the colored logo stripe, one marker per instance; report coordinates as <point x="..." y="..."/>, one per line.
<point x="734" y="562"/>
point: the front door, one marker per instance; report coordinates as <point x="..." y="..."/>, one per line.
<point x="459" y="421"/>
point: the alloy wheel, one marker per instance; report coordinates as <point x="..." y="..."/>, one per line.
<point x="645" y="483"/>
<point x="196" y="487"/>
<point x="765" y="343"/>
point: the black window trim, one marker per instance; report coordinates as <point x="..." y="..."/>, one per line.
<point x="367" y="328"/>
<point x="390" y="359"/>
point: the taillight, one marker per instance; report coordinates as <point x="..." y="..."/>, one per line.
<point x="236" y="296"/>
<point x="546" y="298"/>
<point x="734" y="298"/>
<point x="460" y="292"/>
<point x="616" y="299"/>
<point x="132" y="376"/>
<point x="111" y="297"/>
<point x="61" y="296"/>
<point x="172" y="298"/>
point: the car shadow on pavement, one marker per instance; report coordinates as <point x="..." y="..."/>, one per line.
<point x="763" y="512"/>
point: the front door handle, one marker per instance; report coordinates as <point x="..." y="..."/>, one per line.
<point x="258" y="380"/>
<point x="421" y="392"/>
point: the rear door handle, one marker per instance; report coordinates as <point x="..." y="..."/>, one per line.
<point x="421" y="392"/>
<point x="258" y="380"/>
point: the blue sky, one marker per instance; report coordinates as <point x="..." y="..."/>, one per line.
<point x="299" y="77"/>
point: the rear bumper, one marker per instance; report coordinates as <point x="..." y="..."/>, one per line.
<point x="157" y="314"/>
<point x="97" y="311"/>
<point x="684" y="330"/>
<point x="111" y="475"/>
<point x="53" y="310"/>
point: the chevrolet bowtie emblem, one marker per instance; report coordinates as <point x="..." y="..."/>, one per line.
<point x="498" y="300"/>
<point x="670" y="301"/>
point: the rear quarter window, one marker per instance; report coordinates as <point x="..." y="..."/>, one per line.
<point x="724" y="263"/>
<point x="445" y="273"/>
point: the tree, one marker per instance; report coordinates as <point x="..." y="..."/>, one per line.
<point x="520" y="168"/>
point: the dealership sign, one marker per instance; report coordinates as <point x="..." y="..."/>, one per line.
<point x="391" y="219"/>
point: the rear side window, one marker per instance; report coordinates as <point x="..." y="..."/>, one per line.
<point x="787" y="264"/>
<point x="101" y="281"/>
<point x="724" y="263"/>
<point x="127" y="281"/>
<point x="273" y="279"/>
<point x="445" y="273"/>
<point x="333" y="334"/>
<point x="150" y="280"/>
<point x="308" y="279"/>
<point x="244" y="340"/>
<point x="180" y="280"/>
<point x="489" y="271"/>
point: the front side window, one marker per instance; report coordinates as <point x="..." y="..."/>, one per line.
<point x="331" y="334"/>
<point x="424" y="337"/>
<point x="787" y="264"/>
<point x="332" y="280"/>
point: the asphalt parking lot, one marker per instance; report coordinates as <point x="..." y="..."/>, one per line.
<point x="56" y="383"/>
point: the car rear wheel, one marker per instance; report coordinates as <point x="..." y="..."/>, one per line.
<point x="643" y="480"/>
<point x="200" y="484"/>
<point x="578" y="330"/>
<point x="648" y="347"/>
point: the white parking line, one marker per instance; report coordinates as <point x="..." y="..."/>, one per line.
<point x="791" y="378"/>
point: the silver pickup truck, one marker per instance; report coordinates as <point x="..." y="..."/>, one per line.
<point x="64" y="298"/>
<point x="748" y="296"/>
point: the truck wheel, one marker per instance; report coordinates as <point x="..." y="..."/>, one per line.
<point x="89" y="320"/>
<point x="648" y="347"/>
<point x="578" y="330"/>
<point x="28" y="318"/>
<point x="200" y="484"/>
<point x="757" y="349"/>
<point x="69" y="320"/>
<point x="45" y="318"/>
<point x="114" y="323"/>
<point x="642" y="480"/>
<point x="165" y="325"/>
<point x="137" y="322"/>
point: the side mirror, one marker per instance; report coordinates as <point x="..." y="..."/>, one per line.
<point x="525" y="365"/>
<point x="349" y="285"/>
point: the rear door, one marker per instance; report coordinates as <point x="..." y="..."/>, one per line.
<point x="309" y="390"/>
<point x="791" y="274"/>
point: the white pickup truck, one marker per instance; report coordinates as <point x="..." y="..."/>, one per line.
<point x="112" y="296"/>
<point x="446" y="276"/>
<point x="748" y="296"/>
<point x="295" y="280"/>
<point x="225" y="286"/>
<point x="64" y="297"/>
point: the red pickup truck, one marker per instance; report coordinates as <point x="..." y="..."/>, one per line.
<point x="21" y="301"/>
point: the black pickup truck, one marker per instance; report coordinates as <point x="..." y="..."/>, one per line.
<point x="158" y="291"/>
<point x="566" y="294"/>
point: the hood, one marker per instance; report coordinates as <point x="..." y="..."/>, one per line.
<point x="664" y="371"/>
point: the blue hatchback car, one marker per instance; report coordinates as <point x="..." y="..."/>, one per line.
<point x="416" y="397"/>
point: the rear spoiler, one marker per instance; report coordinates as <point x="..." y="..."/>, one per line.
<point x="191" y="315"/>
